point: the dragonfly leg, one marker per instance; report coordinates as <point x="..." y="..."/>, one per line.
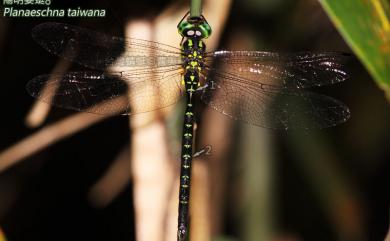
<point x="211" y="85"/>
<point x="202" y="88"/>
<point x="183" y="19"/>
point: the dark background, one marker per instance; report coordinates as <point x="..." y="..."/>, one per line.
<point x="44" y="197"/>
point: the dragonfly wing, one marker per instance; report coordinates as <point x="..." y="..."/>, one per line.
<point x="114" y="93"/>
<point x="99" y="51"/>
<point x="295" y="70"/>
<point x="271" y="106"/>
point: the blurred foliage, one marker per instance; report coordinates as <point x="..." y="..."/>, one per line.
<point x="365" y="26"/>
<point x="262" y="6"/>
<point x="224" y="238"/>
<point x="2" y="236"/>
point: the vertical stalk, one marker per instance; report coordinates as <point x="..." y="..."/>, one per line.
<point x="196" y="8"/>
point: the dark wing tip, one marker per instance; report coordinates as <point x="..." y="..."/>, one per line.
<point x="41" y="28"/>
<point x="51" y="35"/>
<point x="35" y="85"/>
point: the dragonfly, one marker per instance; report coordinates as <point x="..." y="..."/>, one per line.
<point x="265" y="89"/>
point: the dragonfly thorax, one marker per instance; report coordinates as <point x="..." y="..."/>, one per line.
<point x="193" y="54"/>
<point x="193" y="63"/>
<point x="193" y="44"/>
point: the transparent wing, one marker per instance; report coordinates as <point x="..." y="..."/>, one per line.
<point x="114" y="93"/>
<point x="99" y="51"/>
<point x="271" y="106"/>
<point x="296" y="70"/>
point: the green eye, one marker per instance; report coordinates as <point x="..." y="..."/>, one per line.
<point x="184" y="27"/>
<point x="202" y="30"/>
<point x="205" y="29"/>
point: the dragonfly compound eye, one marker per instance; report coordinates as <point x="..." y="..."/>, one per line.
<point x="195" y="27"/>
<point x="205" y="29"/>
<point x="186" y="29"/>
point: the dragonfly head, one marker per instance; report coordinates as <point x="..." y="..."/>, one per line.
<point x="194" y="27"/>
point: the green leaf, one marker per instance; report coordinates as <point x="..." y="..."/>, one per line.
<point x="365" y="26"/>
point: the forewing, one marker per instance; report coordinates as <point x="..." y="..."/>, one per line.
<point x="99" y="51"/>
<point x="270" y="106"/>
<point x="114" y="93"/>
<point x="293" y="71"/>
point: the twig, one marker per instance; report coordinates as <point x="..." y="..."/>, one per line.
<point x="53" y="133"/>
<point x="113" y="182"/>
<point x="40" y="110"/>
<point x="196" y="8"/>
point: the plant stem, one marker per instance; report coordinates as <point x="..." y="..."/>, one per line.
<point x="196" y="8"/>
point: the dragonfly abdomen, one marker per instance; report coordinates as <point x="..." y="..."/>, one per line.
<point x="192" y="56"/>
<point x="185" y="172"/>
<point x="193" y="30"/>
